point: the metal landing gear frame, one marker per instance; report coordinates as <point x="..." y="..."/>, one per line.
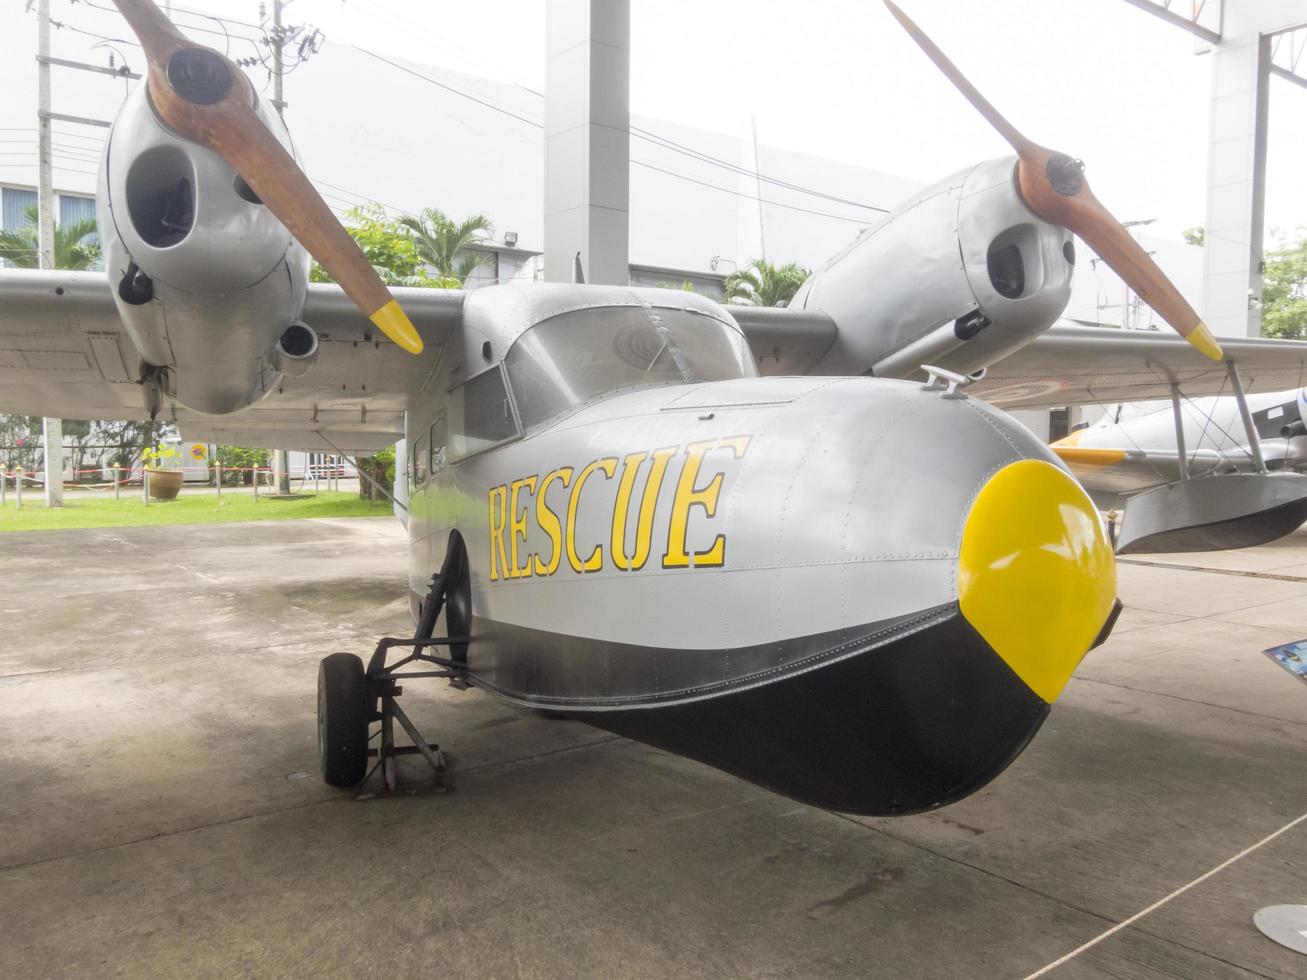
<point x="351" y="699"/>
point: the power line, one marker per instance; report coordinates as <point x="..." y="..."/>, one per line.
<point x="672" y="173"/>
<point x="450" y="88"/>
<point x="642" y="134"/>
<point x="666" y="142"/>
<point x="748" y="197"/>
<point x="222" y="22"/>
<point x="671" y="144"/>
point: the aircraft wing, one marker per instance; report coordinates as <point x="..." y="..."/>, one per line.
<point x="1126" y="471"/>
<point x="784" y="341"/>
<point x="63" y="350"/>
<point x="65" y="353"/>
<point x="1092" y="365"/>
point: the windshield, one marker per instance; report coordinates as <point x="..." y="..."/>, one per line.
<point x="569" y="359"/>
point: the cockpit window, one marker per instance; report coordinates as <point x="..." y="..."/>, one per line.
<point x="480" y="414"/>
<point x="569" y="359"/>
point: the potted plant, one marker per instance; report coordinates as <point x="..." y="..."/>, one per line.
<point x="163" y="484"/>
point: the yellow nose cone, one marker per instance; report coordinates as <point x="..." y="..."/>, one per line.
<point x="1036" y="574"/>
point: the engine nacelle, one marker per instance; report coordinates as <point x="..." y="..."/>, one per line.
<point x="206" y="279"/>
<point x="959" y="276"/>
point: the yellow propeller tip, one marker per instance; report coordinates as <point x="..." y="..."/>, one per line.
<point x="395" y="324"/>
<point x="1205" y="343"/>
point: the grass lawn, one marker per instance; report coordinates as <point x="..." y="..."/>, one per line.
<point x="195" y="508"/>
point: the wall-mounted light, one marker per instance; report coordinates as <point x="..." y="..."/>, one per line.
<point x="510" y="238"/>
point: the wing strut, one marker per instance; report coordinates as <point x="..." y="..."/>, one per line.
<point x="1254" y="440"/>
<point x="1182" y="457"/>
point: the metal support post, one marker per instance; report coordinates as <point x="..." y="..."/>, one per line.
<point x="4" y="483"/>
<point x="18" y="489"/>
<point x="1181" y="451"/>
<point x="255" y="481"/>
<point x="1254" y="441"/>
<point x="217" y="464"/>
<point x="117" y="483"/>
<point x="145" y="485"/>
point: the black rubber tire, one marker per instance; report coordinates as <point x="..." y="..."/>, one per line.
<point x="344" y="710"/>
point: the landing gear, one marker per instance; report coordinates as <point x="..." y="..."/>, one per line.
<point x="351" y="698"/>
<point x="344" y="711"/>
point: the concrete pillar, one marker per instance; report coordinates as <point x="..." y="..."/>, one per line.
<point x="54" y="462"/>
<point x="588" y="140"/>
<point x="1236" y="186"/>
<point x="281" y="471"/>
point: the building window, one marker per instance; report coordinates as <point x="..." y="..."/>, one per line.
<point x="16" y="204"/>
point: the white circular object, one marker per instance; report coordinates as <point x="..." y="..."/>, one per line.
<point x="1286" y="924"/>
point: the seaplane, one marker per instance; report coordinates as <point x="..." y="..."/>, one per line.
<point x="1131" y="458"/>
<point x="805" y="545"/>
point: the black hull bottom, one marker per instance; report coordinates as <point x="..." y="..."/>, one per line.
<point x="914" y="724"/>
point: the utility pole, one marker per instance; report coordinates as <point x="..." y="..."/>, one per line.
<point x="1125" y="286"/>
<point x="53" y="429"/>
<point x="45" y="171"/>
<point x="757" y="167"/>
<point x="278" y="62"/>
<point x="280" y="458"/>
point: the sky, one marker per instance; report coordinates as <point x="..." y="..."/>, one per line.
<point x="839" y="79"/>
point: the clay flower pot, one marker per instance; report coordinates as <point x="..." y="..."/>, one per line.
<point x="164" y="484"/>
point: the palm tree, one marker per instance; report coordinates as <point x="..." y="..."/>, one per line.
<point x="442" y="243"/>
<point x="21" y="246"/>
<point x="762" y="284"/>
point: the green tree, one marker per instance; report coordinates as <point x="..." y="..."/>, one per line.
<point x="1284" y="291"/>
<point x="1194" y="236"/>
<point x="443" y="243"/>
<point x="238" y="464"/>
<point x="79" y="430"/>
<point x="381" y="467"/>
<point x="19" y="438"/>
<point x="387" y="245"/>
<point x="761" y="283"/>
<point x="20" y="246"/>
<point x="129" y="437"/>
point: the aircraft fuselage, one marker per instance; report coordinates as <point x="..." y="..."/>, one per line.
<point x="794" y="579"/>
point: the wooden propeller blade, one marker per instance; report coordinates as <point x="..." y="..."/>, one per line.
<point x="1054" y="187"/>
<point x="1083" y="214"/>
<point x="207" y="99"/>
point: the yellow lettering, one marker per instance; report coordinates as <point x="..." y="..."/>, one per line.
<point x="706" y="497"/>
<point x="548" y="521"/>
<point x="498" y="496"/>
<point x="517" y="527"/>
<point x="596" y="560"/>
<point x="648" y="502"/>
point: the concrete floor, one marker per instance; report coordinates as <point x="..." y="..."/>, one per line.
<point x="161" y="816"/>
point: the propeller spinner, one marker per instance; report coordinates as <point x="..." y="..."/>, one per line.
<point x="207" y="99"/>
<point x="1053" y="186"/>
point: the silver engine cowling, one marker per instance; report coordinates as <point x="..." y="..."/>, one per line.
<point x="959" y="276"/>
<point x="206" y="279"/>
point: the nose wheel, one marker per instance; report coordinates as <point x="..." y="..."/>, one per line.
<point x="344" y="711"/>
<point x="352" y="697"/>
